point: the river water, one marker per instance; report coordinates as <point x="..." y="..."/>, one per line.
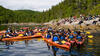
<point x="37" y="47"/>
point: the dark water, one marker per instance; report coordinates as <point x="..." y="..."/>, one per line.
<point x="37" y="47"/>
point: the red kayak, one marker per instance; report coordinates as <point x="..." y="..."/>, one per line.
<point x="51" y="43"/>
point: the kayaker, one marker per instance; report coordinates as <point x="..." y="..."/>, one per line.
<point x="69" y="31"/>
<point x="74" y="34"/>
<point x="15" y="34"/>
<point x="26" y="34"/>
<point x="61" y="37"/>
<point x="79" y="38"/>
<point x="8" y="30"/>
<point x="50" y="29"/>
<point x="7" y="42"/>
<point x="1" y="36"/>
<point x="7" y="36"/>
<point x="71" y="37"/>
<point x="48" y="36"/>
<point x="56" y="40"/>
<point x="78" y="32"/>
<point x="29" y="33"/>
<point x="10" y="34"/>
<point x="32" y="33"/>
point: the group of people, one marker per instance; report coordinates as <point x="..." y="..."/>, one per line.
<point x="14" y="33"/>
<point x="62" y="36"/>
<point x="81" y="19"/>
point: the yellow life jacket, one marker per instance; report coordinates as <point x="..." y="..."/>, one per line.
<point x="20" y="35"/>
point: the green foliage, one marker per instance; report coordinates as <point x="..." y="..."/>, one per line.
<point x="96" y="10"/>
<point x="6" y="15"/>
<point x="66" y="8"/>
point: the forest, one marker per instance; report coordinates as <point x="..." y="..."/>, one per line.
<point x="66" y="8"/>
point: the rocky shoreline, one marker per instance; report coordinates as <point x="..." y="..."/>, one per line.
<point x="86" y="25"/>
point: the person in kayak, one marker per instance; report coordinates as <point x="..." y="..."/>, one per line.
<point x="29" y="33"/>
<point x="78" y="32"/>
<point x="50" y="29"/>
<point x="8" y="30"/>
<point x="1" y="36"/>
<point x="26" y="34"/>
<point x="79" y="38"/>
<point x="71" y="37"/>
<point x="7" y="36"/>
<point x="32" y="33"/>
<point x="7" y="42"/>
<point x="75" y="34"/>
<point x="69" y="31"/>
<point x="15" y="34"/>
<point x="56" y="40"/>
<point x="62" y="38"/>
<point x="48" y="36"/>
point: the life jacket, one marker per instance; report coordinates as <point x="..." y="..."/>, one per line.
<point x="78" y="37"/>
<point x="62" y="38"/>
<point x="71" y="36"/>
<point x="55" y="38"/>
<point x="29" y="32"/>
<point x="10" y="35"/>
<point x="7" y="31"/>
<point x="48" y="36"/>
<point x="75" y="33"/>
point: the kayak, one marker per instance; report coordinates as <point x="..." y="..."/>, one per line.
<point x="24" y="28"/>
<point x="21" y="38"/>
<point x="51" y="43"/>
<point x="25" y="39"/>
<point x="79" y="42"/>
<point x="3" y="31"/>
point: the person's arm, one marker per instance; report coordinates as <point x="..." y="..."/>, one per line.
<point x="46" y="35"/>
<point x="51" y="36"/>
